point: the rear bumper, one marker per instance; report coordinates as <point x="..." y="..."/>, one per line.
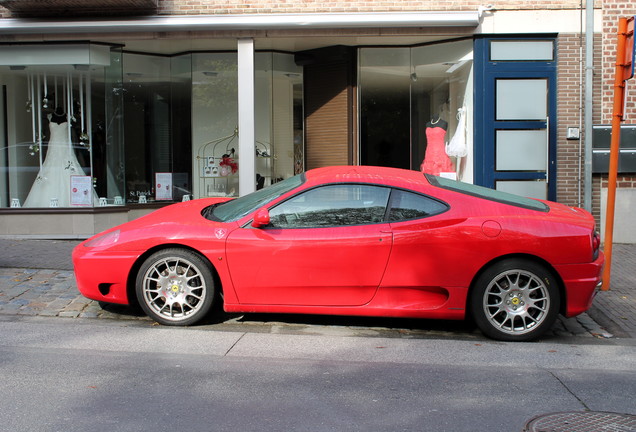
<point x="581" y="284"/>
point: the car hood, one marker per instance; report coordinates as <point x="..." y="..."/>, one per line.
<point x="176" y="222"/>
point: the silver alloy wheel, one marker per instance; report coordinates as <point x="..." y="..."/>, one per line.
<point x="516" y="302"/>
<point x="174" y="289"/>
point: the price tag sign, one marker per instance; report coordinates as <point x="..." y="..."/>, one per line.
<point x="81" y="190"/>
<point x="163" y="186"/>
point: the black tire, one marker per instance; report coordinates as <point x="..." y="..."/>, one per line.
<point x="175" y="287"/>
<point x="515" y="300"/>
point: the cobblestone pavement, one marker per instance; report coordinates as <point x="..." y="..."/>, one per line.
<point x="616" y="309"/>
<point x="36" y="279"/>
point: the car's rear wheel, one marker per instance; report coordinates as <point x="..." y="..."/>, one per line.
<point x="175" y="287"/>
<point x="515" y="300"/>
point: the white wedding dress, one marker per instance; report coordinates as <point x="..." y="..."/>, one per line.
<point x="54" y="179"/>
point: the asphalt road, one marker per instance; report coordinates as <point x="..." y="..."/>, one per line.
<point x="104" y="375"/>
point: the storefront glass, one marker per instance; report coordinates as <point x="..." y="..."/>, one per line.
<point x="62" y="142"/>
<point x="278" y="121"/>
<point x="215" y="124"/>
<point x="385" y="90"/>
<point x="147" y="101"/>
<point x="278" y="116"/>
<point x="143" y="128"/>
<point x="413" y="102"/>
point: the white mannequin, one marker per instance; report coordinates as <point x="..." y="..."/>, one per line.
<point x="54" y="178"/>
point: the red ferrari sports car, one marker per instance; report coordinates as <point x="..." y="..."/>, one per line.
<point x="354" y="240"/>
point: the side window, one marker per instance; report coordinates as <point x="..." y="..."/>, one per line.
<point x="408" y="205"/>
<point x="332" y="205"/>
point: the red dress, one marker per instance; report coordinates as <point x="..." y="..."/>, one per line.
<point x="436" y="160"/>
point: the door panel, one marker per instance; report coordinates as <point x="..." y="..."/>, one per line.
<point x="339" y="266"/>
<point x="519" y="150"/>
<point x="521" y="99"/>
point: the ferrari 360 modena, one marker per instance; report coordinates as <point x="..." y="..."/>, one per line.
<point x="354" y="241"/>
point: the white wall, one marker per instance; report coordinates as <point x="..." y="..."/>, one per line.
<point x="624" y="227"/>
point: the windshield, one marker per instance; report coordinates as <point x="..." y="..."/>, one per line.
<point x="233" y="210"/>
<point x="486" y="193"/>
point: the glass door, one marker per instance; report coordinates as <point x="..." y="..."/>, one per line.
<point x="516" y="126"/>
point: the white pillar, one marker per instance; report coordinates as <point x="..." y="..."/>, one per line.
<point x="246" y="150"/>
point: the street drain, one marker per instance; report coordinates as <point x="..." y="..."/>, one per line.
<point x="581" y="422"/>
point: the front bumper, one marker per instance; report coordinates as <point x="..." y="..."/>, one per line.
<point x="102" y="276"/>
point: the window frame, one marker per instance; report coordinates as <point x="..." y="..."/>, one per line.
<point x="387" y="210"/>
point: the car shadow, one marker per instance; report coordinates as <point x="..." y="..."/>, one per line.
<point x="125" y="311"/>
<point x="386" y="327"/>
<point x="316" y="324"/>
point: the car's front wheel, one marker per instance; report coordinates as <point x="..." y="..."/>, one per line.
<point x="515" y="300"/>
<point x="175" y="287"/>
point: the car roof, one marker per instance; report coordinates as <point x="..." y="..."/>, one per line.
<point x="366" y="174"/>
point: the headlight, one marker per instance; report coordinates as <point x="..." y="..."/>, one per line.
<point x="103" y="240"/>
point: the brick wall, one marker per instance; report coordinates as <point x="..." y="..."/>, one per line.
<point x="207" y="7"/>
<point x="311" y="6"/>
<point x="612" y="11"/>
<point x="570" y="106"/>
<point x="569" y="114"/>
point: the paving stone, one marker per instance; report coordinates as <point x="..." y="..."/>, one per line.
<point x="69" y="314"/>
<point x="19" y="302"/>
<point x="49" y="312"/>
<point x="28" y="311"/>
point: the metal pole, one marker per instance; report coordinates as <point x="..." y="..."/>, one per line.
<point x="246" y="122"/>
<point x="589" y="100"/>
<point x="617" y="117"/>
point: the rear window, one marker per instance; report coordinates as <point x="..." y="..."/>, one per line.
<point x="408" y="205"/>
<point x="488" y="194"/>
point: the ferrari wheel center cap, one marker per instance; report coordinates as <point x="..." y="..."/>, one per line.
<point x="515" y="302"/>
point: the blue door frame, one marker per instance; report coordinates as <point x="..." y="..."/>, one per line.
<point x="487" y="73"/>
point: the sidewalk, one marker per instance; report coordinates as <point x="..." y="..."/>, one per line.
<point x="36" y="279"/>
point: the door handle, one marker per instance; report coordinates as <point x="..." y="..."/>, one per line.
<point x="547" y="150"/>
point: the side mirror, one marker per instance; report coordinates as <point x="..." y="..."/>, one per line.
<point x="261" y="218"/>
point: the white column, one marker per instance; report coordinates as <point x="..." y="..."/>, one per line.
<point x="246" y="151"/>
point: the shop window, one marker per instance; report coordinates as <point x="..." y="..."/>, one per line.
<point x="385" y="118"/>
<point x="62" y="139"/>
<point x="279" y="148"/>
<point x="278" y="116"/>
<point x="117" y="128"/>
<point x="413" y="102"/>
<point x="215" y="124"/>
<point x="148" y="94"/>
<point x="442" y="109"/>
